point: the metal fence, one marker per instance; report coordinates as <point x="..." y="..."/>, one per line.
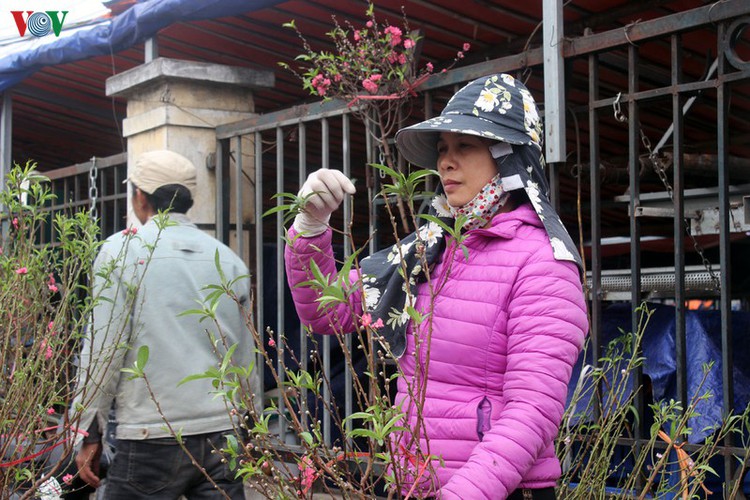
<point x="655" y="189"/>
<point x="96" y="186"/>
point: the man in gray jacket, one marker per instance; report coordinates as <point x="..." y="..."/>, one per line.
<point x="144" y="280"/>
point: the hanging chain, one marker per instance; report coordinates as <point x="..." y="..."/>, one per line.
<point x="661" y="171"/>
<point x="617" y="110"/>
<point x="93" y="188"/>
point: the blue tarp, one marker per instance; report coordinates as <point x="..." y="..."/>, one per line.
<point x="129" y="28"/>
<point x="703" y="343"/>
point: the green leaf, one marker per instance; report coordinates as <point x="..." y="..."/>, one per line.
<point x="387" y="170"/>
<point x="217" y="262"/>
<point x="306" y="437"/>
<point x="431" y="218"/>
<point x="228" y="357"/>
<point x="142" y="357"/>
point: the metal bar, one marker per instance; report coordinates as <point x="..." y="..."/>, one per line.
<point x="6" y="156"/>
<point x="226" y="160"/>
<point x="635" y="222"/>
<point x="347" y="169"/>
<point x="668" y="90"/>
<point x="103" y="213"/>
<point x="259" y="261"/>
<point x="593" y="43"/>
<point x="280" y="327"/>
<point x="687" y="105"/>
<point x="662" y="26"/>
<point x="596" y="216"/>
<point x="83" y="168"/>
<point x="676" y="130"/>
<point x="727" y="357"/>
<point x="325" y="140"/>
<point x="290" y="116"/>
<point x="6" y="136"/>
<point x="221" y="233"/>
<point x="302" y="176"/>
<point x="150" y="49"/>
<point x="118" y="195"/>
<point x="554" y="81"/>
<point x="239" y="227"/>
<point x="372" y="191"/>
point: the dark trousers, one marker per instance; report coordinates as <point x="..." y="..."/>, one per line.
<point x="536" y="494"/>
<point x="160" y="468"/>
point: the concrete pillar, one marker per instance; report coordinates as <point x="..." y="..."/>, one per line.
<point x="177" y="105"/>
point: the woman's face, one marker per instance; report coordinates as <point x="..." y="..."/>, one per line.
<point x="465" y="166"/>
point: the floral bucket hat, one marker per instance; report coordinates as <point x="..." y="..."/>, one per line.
<point x="500" y="108"/>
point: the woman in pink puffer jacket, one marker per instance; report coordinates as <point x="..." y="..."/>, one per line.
<point x="504" y="321"/>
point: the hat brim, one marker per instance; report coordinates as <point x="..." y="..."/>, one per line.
<point x="418" y="143"/>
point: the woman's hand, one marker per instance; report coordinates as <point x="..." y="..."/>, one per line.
<point x="326" y="189"/>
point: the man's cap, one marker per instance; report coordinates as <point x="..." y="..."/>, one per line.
<point x="155" y="169"/>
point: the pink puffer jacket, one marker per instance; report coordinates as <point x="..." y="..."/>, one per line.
<point x="508" y="326"/>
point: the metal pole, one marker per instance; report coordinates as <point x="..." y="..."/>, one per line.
<point x="347" y="169"/>
<point x="280" y="326"/>
<point x="6" y="142"/>
<point x="326" y="163"/>
<point x="554" y="82"/>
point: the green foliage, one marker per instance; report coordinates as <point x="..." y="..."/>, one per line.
<point x="139" y="365"/>
<point x="408" y="186"/>
<point x="44" y="306"/>
<point x="602" y="417"/>
<point x="378" y="422"/>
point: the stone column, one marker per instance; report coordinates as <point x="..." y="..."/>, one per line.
<point x="177" y="105"/>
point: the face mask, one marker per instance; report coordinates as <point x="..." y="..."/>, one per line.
<point x="480" y="209"/>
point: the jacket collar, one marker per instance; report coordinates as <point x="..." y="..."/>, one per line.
<point x="180" y="219"/>
<point x="505" y="224"/>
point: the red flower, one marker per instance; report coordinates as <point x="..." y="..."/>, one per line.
<point x="395" y="35"/>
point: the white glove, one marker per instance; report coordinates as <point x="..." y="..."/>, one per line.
<point x="329" y="188"/>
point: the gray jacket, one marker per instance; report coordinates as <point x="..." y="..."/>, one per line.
<point x="143" y="282"/>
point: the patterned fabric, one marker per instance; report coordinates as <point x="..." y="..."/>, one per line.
<point x="479" y="210"/>
<point x="385" y="293"/>
<point x="501" y="108"/>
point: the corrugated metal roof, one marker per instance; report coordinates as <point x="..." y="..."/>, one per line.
<point x="61" y="115"/>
